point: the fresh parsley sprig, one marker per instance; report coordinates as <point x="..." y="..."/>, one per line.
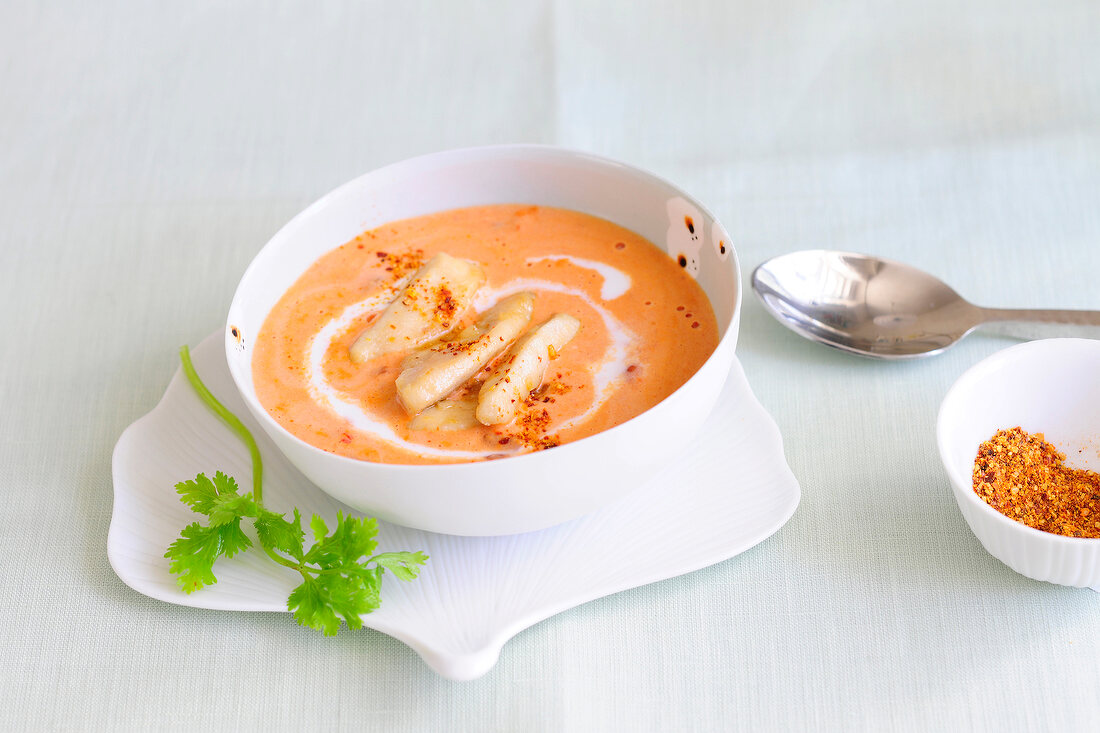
<point x="341" y="578"/>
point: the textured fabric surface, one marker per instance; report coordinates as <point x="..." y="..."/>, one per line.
<point x="149" y="150"/>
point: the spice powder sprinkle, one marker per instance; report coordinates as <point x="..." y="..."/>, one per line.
<point x="1025" y="478"/>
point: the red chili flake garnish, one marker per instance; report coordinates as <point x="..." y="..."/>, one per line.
<point x="695" y="325"/>
<point x="402" y="264"/>
<point x="554" y="387"/>
<point x="680" y="308"/>
<point x="532" y="424"/>
<point x="445" y="305"/>
<point x="620" y="245"/>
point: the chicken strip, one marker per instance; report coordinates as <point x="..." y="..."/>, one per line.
<point x="522" y="369"/>
<point x="448" y="414"/>
<point x="428" y="308"/>
<point x="430" y="375"/>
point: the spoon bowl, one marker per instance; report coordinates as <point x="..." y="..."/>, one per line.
<point x="883" y="309"/>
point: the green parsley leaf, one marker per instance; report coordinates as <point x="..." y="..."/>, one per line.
<point x="233" y="538"/>
<point x="404" y="565"/>
<point x="279" y="534"/>
<point x="192" y="556"/>
<point x="352" y="539"/>
<point x="217" y="499"/>
<point x="311" y="607"/>
<point x="343" y="584"/>
<point x="321" y="602"/>
<point x="199" y="494"/>
<point x="232" y="509"/>
<point x="355" y="594"/>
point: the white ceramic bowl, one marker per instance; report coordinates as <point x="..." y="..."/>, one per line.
<point x="536" y="490"/>
<point x="1050" y="387"/>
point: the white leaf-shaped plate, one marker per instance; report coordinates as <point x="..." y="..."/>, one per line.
<point x="730" y="492"/>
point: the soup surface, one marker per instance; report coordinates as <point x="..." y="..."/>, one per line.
<point x="645" y="327"/>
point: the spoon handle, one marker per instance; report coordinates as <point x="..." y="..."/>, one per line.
<point x="1035" y="324"/>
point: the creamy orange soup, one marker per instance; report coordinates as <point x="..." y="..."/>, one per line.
<point x="646" y="327"/>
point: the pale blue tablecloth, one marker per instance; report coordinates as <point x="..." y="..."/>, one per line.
<point x="149" y="150"/>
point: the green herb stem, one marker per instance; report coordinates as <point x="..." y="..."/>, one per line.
<point x="337" y="586"/>
<point x="229" y="419"/>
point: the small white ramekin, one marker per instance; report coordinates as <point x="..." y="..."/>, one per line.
<point x="1050" y="387"/>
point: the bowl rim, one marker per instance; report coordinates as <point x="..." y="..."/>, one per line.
<point x="964" y="491"/>
<point x="550" y="152"/>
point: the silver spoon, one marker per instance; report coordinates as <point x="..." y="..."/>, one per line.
<point x="887" y="310"/>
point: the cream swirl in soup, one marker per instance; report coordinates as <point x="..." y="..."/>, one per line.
<point x="645" y="326"/>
